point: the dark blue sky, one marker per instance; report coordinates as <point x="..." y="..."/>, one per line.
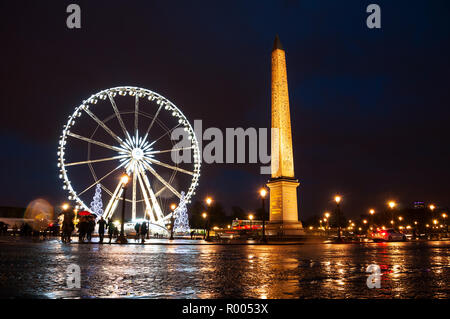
<point x="370" y="108"/>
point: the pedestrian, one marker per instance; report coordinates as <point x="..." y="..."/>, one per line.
<point x="143" y="232"/>
<point x="137" y="228"/>
<point x="82" y="229"/>
<point x="192" y="234"/>
<point x="101" y="229"/>
<point x="90" y="227"/>
<point x="67" y="228"/>
<point x="110" y="227"/>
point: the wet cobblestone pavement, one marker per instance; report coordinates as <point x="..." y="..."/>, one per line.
<point x="409" y="270"/>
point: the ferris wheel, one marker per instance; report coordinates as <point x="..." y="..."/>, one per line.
<point x="128" y="130"/>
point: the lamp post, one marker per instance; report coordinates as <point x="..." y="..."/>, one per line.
<point x="251" y="219"/>
<point x="208" y="201"/>
<point x="431" y="207"/>
<point x="337" y="199"/>
<point x="392" y="205"/>
<point x="326" y="219"/>
<point x="263" y="193"/>
<point x="122" y="239"/>
<point x="444" y="216"/>
<point x="371" y="212"/>
<point x="205" y="215"/>
<point x="172" y="220"/>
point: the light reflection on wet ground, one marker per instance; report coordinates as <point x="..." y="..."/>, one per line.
<point x="409" y="270"/>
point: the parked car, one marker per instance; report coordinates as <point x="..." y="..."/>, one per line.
<point x="389" y="234"/>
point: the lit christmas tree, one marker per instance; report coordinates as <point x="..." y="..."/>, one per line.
<point x="181" y="223"/>
<point x="97" y="204"/>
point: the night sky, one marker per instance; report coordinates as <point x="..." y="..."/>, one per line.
<point x="370" y="109"/>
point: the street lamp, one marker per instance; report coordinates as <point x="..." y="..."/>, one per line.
<point x="435" y="222"/>
<point x="208" y="201"/>
<point x="392" y="205"/>
<point x="338" y="199"/>
<point x="444" y="215"/>
<point x="172" y="219"/>
<point x="251" y="219"/>
<point x="371" y="212"/>
<point x="326" y="219"/>
<point x="65" y="206"/>
<point x="263" y="193"/>
<point x="122" y="239"/>
<point x="205" y="215"/>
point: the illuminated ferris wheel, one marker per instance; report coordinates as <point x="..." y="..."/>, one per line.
<point x="129" y="130"/>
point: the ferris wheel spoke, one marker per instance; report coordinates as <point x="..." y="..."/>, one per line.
<point x="99" y="180"/>
<point x="89" y="140"/>
<point x="162" y="180"/>
<point x="160" y="191"/>
<point x="136" y="114"/>
<point x="112" y="204"/>
<point x="97" y="160"/>
<point x="102" y="124"/>
<point x="106" y="190"/>
<point x="171" y="150"/>
<point x="167" y="132"/>
<point x="119" y="118"/>
<point x="153" y="121"/>
<point x="156" y="207"/>
<point x="149" y="209"/>
<point x="151" y="160"/>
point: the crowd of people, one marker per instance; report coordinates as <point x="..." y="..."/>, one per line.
<point x="37" y="228"/>
<point x="85" y="229"/>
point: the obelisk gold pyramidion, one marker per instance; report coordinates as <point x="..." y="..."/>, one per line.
<point x="283" y="185"/>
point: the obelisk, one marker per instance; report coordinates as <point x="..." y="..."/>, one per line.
<point x="283" y="184"/>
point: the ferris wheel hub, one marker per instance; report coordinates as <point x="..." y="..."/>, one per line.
<point x="137" y="154"/>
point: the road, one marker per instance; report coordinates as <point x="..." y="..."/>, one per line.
<point x="409" y="270"/>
